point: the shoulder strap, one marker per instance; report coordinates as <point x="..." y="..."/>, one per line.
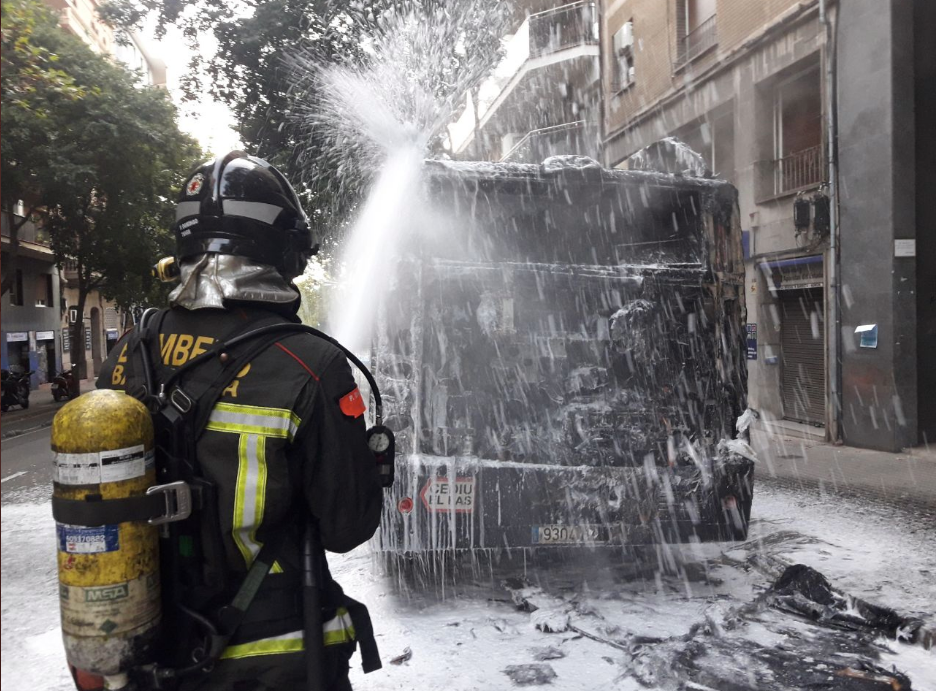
<point x="196" y="389"/>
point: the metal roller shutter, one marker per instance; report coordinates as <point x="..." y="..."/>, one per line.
<point x="802" y="354"/>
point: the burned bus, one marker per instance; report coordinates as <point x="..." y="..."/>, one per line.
<point x="562" y="356"/>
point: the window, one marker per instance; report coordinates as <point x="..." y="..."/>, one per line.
<point x="623" y="68"/>
<point x="696" y="28"/>
<point x="16" y="290"/>
<point x="797" y="120"/>
<point x="44" y="290"/>
<point x="712" y="136"/>
<point x="697" y="13"/>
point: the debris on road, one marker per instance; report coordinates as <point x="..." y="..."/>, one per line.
<point x="547" y="653"/>
<point x="405" y="656"/>
<point x="537" y="674"/>
<point x="804" y="591"/>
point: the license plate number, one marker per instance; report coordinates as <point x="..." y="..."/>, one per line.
<point x="566" y="534"/>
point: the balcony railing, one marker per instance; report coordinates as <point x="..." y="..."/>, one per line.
<point x="698" y="41"/>
<point x="28" y="232"/>
<point x="537" y="145"/>
<point x="563" y="27"/>
<point x="798" y="170"/>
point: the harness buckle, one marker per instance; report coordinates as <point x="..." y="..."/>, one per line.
<point x="180" y="400"/>
<point x="178" y="496"/>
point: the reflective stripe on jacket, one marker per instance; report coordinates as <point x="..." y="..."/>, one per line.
<point x="337" y="630"/>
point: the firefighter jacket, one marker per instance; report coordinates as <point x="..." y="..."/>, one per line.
<point x="286" y="437"/>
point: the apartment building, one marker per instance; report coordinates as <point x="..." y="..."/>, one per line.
<point x="102" y="320"/>
<point x="841" y="287"/>
<point x="543" y="97"/>
<point x="31" y="308"/>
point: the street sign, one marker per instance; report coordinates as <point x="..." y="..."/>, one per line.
<point x="751" y="332"/>
<point x="445" y="496"/>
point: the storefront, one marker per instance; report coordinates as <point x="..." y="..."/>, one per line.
<point x="797" y="287"/>
<point x="17" y="350"/>
<point x="45" y="356"/>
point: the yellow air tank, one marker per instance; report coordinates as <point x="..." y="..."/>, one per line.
<point x="108" y="574"/>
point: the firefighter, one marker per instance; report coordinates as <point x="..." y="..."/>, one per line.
<point x="285" y="441"/>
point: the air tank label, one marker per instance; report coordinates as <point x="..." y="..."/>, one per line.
<point x="104" y="466"/>
<point x="80" y="540"/>
<point x="110" y="610"/>
<point x="123" y="464"/>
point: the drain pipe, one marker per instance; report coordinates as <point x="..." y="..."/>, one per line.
<point x="835" y="314"/>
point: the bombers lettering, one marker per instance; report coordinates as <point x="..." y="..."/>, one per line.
<point x="175" y="350"/>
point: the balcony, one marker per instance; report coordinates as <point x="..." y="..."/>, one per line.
<point x="562" y="27"/>
<point x="697" y="41"/>
<point x="798" y="171"/>
<point x="33" y="240"/>
<point x="568" y="138"/>
<point x="549" y="40"/>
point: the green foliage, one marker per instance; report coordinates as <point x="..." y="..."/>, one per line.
<point x="30" y="77"/>
<point x="98" y="156"/>
<point x="253" y="69"/>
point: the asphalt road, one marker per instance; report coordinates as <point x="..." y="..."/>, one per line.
<point x="26" y="461"/>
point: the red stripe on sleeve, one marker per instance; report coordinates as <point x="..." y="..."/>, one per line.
<point x="296" y="358"/>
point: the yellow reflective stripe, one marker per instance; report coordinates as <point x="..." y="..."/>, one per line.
<point x="287" y="643"/>
<point x="339" y="628"/>
<point x="246" y="472"/>
<point x="335" y="631"/>
<point x="235" y="428"/>
<point x="258" y="410"/>
<point x="250" y="497"/>
<point x="249" y="419"/>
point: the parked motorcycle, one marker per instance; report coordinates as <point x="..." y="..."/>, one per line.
<point x="65" y="386"/>
<point x="15" y="389"/>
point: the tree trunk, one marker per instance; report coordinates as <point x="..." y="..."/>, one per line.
<point x="78" y="337"/>
<point x="475" y="107"/>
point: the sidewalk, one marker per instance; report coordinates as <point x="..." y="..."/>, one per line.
<point x="891" y="477"/>
<point x="42" y="408"/>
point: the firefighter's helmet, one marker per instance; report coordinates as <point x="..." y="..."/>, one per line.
<point x="243" y="206"/>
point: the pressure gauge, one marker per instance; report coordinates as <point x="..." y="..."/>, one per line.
<point x="379" y="441"/>
<point x="382" y="444"/>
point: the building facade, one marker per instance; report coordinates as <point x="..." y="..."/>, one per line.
<point x="543" y="97"/>
<point x="31" y="332"/>
<point x="103" y="321"/>
<point x="839" y="325"/>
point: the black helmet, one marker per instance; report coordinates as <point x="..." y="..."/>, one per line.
<point x="242" y="205"/>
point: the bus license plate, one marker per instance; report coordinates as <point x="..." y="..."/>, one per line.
<point x="566" y="534"/>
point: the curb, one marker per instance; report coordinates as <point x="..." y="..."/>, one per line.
<point x="12" y="434"/>
<point x="906" y="501"/>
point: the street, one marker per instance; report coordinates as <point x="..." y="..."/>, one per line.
<point x="592" y="621"/>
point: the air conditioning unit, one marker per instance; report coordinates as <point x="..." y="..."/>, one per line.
<point x="624" y="38"/>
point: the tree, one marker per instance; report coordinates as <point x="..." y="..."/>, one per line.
<point x="33" y="86"/>
<point x="255" y="69"/>
<point x="106" y="175"/>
